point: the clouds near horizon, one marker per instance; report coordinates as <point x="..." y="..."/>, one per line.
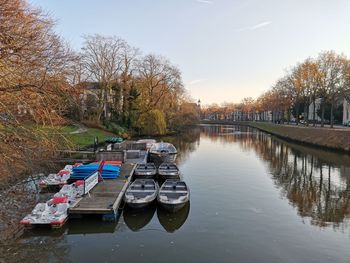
<point x="225" y="49"/>
<point x="255" y="27"/>
<point x="204" y="1"/>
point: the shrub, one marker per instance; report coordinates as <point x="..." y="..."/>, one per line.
<point x="152" y="123"/>
<point x="114" y="128"/>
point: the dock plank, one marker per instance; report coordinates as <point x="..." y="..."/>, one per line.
<point x="106" y="196"/>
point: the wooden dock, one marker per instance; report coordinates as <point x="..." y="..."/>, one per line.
<point x="106" y="197"/>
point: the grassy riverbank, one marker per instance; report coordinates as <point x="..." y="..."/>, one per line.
<point x="86" y="138"/>
<point x="79" y="135"/>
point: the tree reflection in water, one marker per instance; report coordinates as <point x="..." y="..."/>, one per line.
<point x="315" y="181"/>
<point x="39" y="248"/>
<point x="185" y="142"/>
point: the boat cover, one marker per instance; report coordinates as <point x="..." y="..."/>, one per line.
<point x="109" y="171"/>
<point x="114" y="140"/>
<point x="110" y="162"/>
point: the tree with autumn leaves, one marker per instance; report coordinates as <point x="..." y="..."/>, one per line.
<point x="325" y="78"/>
<point x="132" y="87"/>
<point x="34" y="87"/>
<point x="43" y="84"/>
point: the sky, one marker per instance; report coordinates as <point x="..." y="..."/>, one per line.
<point x="225" y="49"/>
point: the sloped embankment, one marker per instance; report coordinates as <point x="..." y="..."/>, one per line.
<point x="337" y="139"/>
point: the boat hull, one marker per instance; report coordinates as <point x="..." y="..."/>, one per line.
<point x="168" y="171"/>
<point x="173" y="195"/>
<point x="173" y="207"/>
<point x="145" y="175"/>
<point x="165" y="176"/>
<point x="162" y="157"/>
<point x="138" y="205"/>
<point x="54" y="225"/>
<point x="141" y="193"/>
<point x="145" y="171"/>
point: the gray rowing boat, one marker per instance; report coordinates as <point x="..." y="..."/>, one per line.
<point x="141" y="193"/>
<point x="162" y="152"/>
<point x="148" y="142"/>
<point x="168" y="171"/>
<point x="173" y="195"/>
<point x="145" y="171"/>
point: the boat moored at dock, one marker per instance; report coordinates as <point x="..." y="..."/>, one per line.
<point x="173" y="195"/>
<point x="148" y="142"/>
<point x="168" y="171"/>
<point x="141" y="193"/>
<point x="54" y="212"/>
<point x="100" y="187"/>
<point x="59" y="179"/>
<point x="163" y="152"/>
<point x="145" y="171"/>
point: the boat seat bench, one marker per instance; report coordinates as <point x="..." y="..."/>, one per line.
<point x="175" y="192"/>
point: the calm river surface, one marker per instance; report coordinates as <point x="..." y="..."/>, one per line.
<point x="254" y="198"/>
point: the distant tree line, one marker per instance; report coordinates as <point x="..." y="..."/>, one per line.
<point x="325" y="78"/>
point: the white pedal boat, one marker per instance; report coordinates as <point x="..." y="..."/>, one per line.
<point x="72" y="191"/>
<point x="54" y="212"/>
<point x="59" y="179"/>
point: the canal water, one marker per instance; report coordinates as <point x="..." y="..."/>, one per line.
<point x="254" y="198"/>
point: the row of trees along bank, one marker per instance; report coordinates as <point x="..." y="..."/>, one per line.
<point x="44" y="84"/>
<point x="116" y="83"/>
<point x="325" y="78"/>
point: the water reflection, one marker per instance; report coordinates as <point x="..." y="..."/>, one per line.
<point x="136" y="219"/>
<point x="173" y="221"/>
<point x="242" y="212"/>
<point x="318" y="189"/>
<point x="90" y="225"/>
<point x="185" y="143"/>
<point x="75" y="226"/>
<point x="227" y="133"/>
<point x="38" y="248"/>
<point x="316" y="182"/>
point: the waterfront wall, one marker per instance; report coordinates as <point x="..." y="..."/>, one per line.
<point x="336" y="139"/>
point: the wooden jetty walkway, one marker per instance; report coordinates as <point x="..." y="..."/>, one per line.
<point x="106" y="197"/>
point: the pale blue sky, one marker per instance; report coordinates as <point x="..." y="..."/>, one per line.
<point x="226" y="49"/>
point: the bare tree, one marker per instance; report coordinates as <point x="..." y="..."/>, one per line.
<point x="158" y="79"/>
<point x="333" y="68"/>
<point x="33" y="85"/>
<point x="306" y="82"/>
<point x="282" y="99"/>
<point x="127" y="80"/>
<point x="103" y="60"/>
